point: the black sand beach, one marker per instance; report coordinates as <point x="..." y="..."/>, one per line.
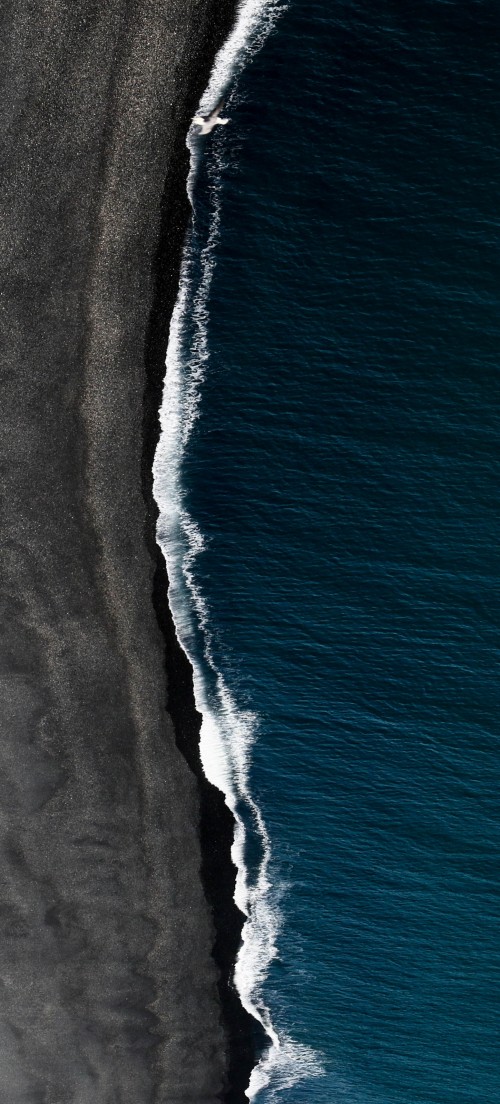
<point x="117" y="924"/>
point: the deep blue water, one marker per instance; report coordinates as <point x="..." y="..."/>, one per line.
<point x="345" y="470"/>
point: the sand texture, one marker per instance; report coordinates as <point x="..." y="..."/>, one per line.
<point x="109" y="992"/>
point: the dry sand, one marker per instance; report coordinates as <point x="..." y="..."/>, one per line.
<point x="109" y="990"/>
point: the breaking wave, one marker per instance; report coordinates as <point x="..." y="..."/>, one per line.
<point x="227" y="731"/>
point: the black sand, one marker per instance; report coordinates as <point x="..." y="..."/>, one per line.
<point x="117" y="927"/>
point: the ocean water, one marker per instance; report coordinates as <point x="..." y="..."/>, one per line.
<point x="329" y="486"/>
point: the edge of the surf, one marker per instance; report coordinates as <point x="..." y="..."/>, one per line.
<point x="226" y="733"/>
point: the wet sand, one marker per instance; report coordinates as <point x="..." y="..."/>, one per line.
<point x="117" y="925"/>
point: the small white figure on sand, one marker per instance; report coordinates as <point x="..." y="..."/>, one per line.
<point x="208" y="122"/>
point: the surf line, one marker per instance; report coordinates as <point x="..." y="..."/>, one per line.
<point x="227" y="733"/>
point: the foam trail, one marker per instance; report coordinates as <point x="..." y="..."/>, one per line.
<point x="227" y="732"/>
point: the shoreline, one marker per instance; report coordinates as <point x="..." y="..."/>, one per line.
<point x="245" y="1035"/>
<point x="121" y="984"/>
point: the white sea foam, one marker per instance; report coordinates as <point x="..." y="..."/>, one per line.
<point x="227" y="732"/>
